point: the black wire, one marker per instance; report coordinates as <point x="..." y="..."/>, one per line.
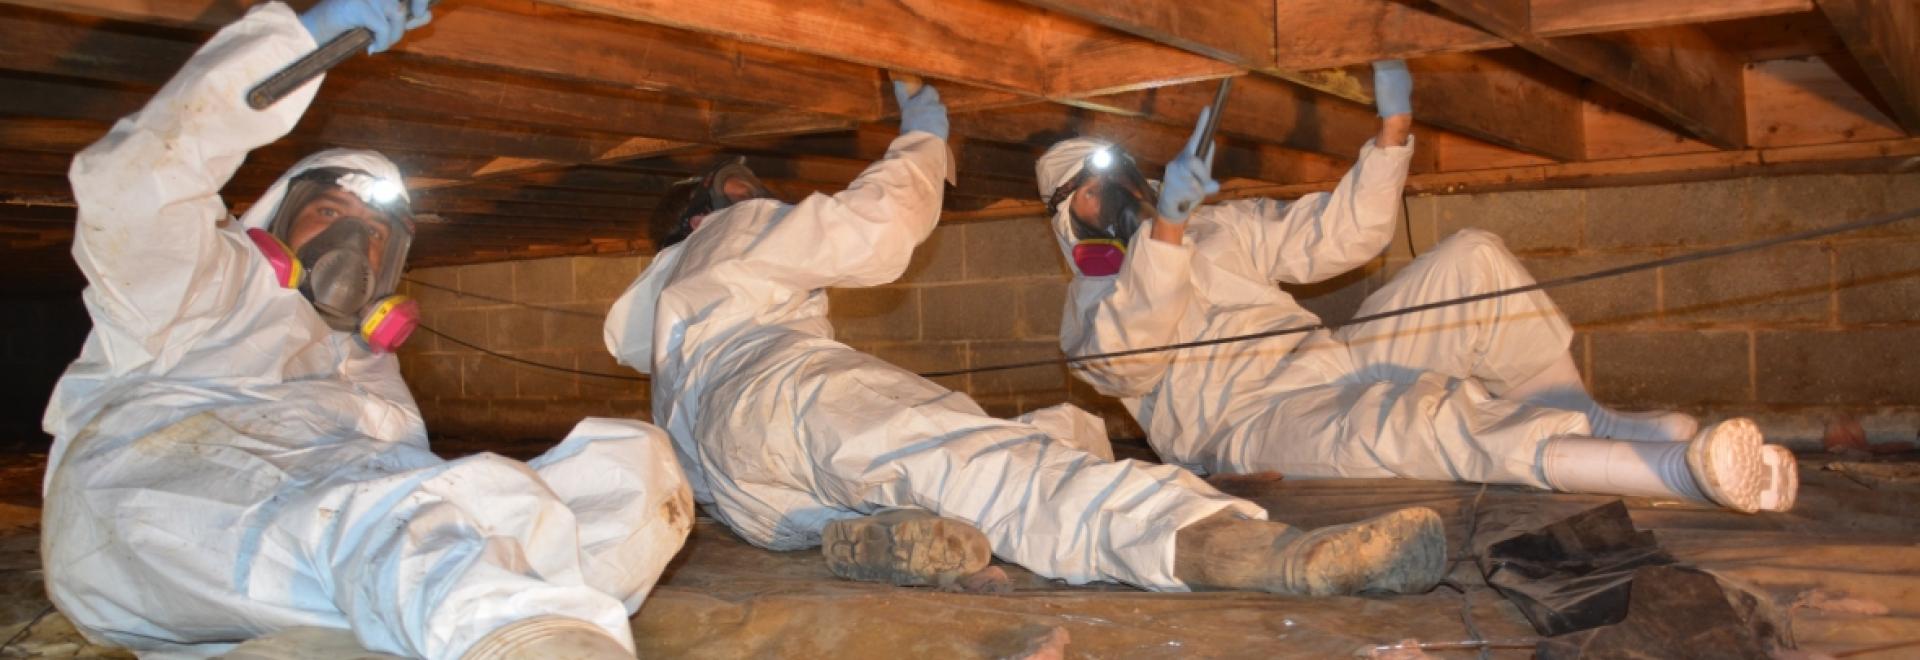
<point x="482" y="296"/>
<point x="527" y="362"/>
<point x="1750" y="246"/>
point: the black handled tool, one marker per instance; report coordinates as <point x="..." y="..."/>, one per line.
<point x="310" y="66"/>
<point x="1206" y="132"/>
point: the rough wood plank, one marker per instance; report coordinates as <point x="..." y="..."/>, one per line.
<point x="1792" y="102"/>
<point x="1558" y="18"/>
<point x="1318" y="34"/>
<point x="1085" y="60"/>
<point x="1504" y="97"/>
<point x="1619" y="128"/>
<point x="1261" y="108"/>
<point x="940" y="38"/>
<point x="1237" y="32"/>
<point x="1884" y="37"/>
<point x="1677" y="71"/>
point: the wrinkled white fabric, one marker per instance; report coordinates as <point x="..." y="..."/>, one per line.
<point x="225" y="466"/>
<point x="1405" y="397"/>
<point x="785" y="429"/>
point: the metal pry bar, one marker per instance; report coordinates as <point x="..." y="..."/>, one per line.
<point x="310" y="66"/>
<point x="1206" y="132"/>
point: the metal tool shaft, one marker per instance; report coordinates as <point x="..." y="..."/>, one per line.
<point x="308" y="67"/>
<point x="1206" y="131"/>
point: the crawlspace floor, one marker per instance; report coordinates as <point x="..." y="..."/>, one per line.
<point x="1841" y="572"/>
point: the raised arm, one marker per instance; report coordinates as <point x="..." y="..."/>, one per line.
<point x="148" y="192"/>
<point x="1323" y="234"/>
<point x="865" y="235"/>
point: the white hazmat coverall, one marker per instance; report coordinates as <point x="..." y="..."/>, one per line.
<point x="783" y="430"/>
<point x="225" y="466"/>
<point x="1401" y="397"/>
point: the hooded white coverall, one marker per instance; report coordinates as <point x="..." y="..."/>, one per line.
<point x="783" y="429"/>
<point x="225" y="466"/>
<point x="1401" y="397"/>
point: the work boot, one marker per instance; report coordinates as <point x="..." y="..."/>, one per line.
<point x="1783" y="479"/>
<point x="904" y="547"/>
<point x="548" y="638"/>
<point x="1402" y="552"/>
<point x="1728" y="461"/>
<point x="1725" y="464"/>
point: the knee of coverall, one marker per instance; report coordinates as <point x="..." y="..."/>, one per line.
<point x="1475" y="249"/>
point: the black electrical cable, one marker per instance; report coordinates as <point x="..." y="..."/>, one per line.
<point x="525" y="361"/>
<point x="482" y="296"/>
<point x="1700" y="255"/>
<point x="1750" y="246"/>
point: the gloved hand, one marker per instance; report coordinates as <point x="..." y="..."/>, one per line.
<point x="388" y="19"/>
<point x="921" y="112"/>
<point x="1392" y="88"/>
<point x="1189" y="179"/>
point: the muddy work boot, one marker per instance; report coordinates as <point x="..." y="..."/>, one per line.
<point x="1403" y="552"/>
<point x="905" y="547"/>
<point x="548" y="638"/>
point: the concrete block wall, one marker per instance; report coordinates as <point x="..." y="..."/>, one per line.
<point x="1791" y="335"/>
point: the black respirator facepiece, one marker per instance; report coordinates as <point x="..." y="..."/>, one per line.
<point x="704" y="195"/>
<point x="1123" y="191"/>
<point x="342" y="280"/>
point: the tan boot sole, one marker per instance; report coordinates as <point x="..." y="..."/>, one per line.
<point x="1726" y="462"/>
<point x="1783" y="485"/>
<point x="905" y="547"/>
<point x="1403" y="552"/>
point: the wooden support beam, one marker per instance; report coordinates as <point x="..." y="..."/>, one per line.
<point x="1087" y="60"/>
<point x="1559" y="18"/>
<point x="1803" y="101"/>
<point x="1261" y="108"/>
<point x="1319" y="34"/>
<point x="1504" y="97"/>
<point x="1676" y="71"/>
<point x="1884" y="37"/>
<point x="1238" y="32"/>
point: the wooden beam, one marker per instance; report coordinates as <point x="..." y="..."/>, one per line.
<point x="1085" y="60"/>
<point x="1319" y="34"/>
<point x="1677" y="71"/>
<point x="1792" y="102"/>
<point x="1504" y="97"/>
<point x="1261" y="108"/>
<point x="1559" y="18"/>
<point x="1238" y="32"/>
<point x="1884" y="37"/>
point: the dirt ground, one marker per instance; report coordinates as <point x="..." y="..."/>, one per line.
<point x="1840" y="576"/>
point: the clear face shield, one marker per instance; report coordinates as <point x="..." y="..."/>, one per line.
<point x="352" y="232"/>
<point x="1119" y="196"/>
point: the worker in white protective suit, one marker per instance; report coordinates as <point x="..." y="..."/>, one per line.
<point x="1484" y="391"/>
<point x="796" y="440"/>
<point x="235" y="453"/>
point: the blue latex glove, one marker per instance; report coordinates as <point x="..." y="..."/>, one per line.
<point x="1392" y="88"/>
<point x="921" y="112"/>
<point x="1189" y="180"/>
<point x="387" y="19"/>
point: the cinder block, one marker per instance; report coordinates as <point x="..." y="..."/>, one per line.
<point x="1044" y="382"/>
<point x="543" y="281"/>
<point x="1042" y="302"/>
<point x="982" y="311"/>
<point x="434" y="376"/>
<point x="457" y="417"/>
<point x="1794" y="203"/>
<point x="1416" y="213"/>
<point x="1878" y="281"/>
<point x="436" y="296"/>
<point x="615" y="381"/>
<point x="1695" y="213"/>
<point x="922" y="357"/>
<point x="532" y="382"/>
<point x="1337" y="299"/>
<point x="1784" y="284"/>
<point x="515" y="329"/>
<point x="576" y="325"/>
<point x="1903" y="193"/>
<point x="542" y="420"/>
<point x="468" y="325"/>
<point x="1611" y="301"/>
<point x="494" y="280"/>
<point x="605" y="278"/>
<point x="1853" y="367"/>
<point x="941" y="258"/>
<point x="486" y="377"/>
<point x="1668" y="368"/>
<point x="1012" y="248"/>
<point x="1527" y="220"/>
<point x="883" y="313"/>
